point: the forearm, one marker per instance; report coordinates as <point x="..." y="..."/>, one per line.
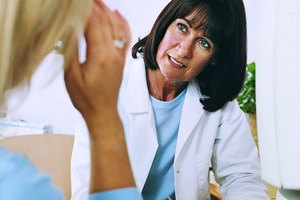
<point x="110" y="166"/>
<point x="93" y="88"/>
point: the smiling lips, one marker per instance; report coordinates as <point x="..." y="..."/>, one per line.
<point x="173" y="60"/>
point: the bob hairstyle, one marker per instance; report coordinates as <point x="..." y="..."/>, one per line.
<point x="29" y="30"/>
<point x="225" y="23"/>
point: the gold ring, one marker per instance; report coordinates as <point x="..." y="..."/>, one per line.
<point x="119" y="43"/>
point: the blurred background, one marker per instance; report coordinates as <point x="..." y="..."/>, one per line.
<point x="273" y="49"/>
<point x="48" y="104"/>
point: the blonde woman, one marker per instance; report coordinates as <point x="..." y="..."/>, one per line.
<point x="29" y="31"/>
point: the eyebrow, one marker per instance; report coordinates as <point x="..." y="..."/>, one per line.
<point x="188" y="22"/>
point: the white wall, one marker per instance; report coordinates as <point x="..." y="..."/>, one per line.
<point x="48" y="103"/>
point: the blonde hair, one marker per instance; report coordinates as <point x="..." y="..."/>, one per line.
<point x="29" y="30"/>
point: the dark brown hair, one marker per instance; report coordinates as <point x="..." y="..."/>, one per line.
<point x="225" y="23"/>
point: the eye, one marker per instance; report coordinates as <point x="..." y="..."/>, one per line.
<point x="204" y="43"/>
<point x="181" y="27"/>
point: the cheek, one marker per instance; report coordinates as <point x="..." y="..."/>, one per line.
<point x="166" y="44"/>
<point x="161" y="52"/>
<point x="201" y="64"/>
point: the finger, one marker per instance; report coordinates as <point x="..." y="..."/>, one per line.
<point x="118" y="23"/>
<point x="123" y="24"/>
<point x="105" y="12"/>
<point x="98" y="33"/>
<point x="72" y="73"/>
<point x="118" y="30"/>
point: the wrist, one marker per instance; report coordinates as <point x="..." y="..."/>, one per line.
<point x="105" y="124"/>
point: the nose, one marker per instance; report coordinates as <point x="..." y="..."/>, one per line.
<point x="185" y="48"/>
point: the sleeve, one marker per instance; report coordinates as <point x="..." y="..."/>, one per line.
<point x="20" y="179"/>
<point x="124" y="194"/>
<point x="235" y="159"/>
<point x="80" y="163"/>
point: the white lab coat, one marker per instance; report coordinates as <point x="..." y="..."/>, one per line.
<point x="220" y="138"/>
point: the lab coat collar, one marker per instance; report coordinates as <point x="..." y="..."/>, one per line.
<point x="142" y="140"/>
<point x="191" y="113"/>
<point x="138" y="102"/>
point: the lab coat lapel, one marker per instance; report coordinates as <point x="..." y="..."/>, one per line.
<point x="141" y="138"/>
<point x="191" y="113"/>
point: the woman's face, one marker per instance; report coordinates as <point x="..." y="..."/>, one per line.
<point x="183" y="52"/>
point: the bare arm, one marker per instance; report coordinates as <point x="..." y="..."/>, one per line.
<point x="93" y="88"/>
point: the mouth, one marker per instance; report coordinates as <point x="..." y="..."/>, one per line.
<point x="176" y="62"/>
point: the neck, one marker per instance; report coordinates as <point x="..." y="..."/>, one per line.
<point x="161" y="88"/>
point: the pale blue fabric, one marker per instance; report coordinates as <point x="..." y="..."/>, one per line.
<point x="118" y="194"/>
<point x="20" y="180"/>
<point x="160" y="181"/>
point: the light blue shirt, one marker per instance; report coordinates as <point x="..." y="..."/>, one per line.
<point x="20" y="179"/>
<point x="118" y="194"/>
<point x="160" y="181"/>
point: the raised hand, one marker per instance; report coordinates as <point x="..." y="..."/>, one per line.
<point x="93" y="87"/>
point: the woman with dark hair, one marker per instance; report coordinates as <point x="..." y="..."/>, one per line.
<point x="224" y="24"/>
<point x="177" y="104"/>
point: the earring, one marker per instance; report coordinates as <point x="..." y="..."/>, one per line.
<point x="213" y="63"/>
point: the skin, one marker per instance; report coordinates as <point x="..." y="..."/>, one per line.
<point x="182" y="54"/>
<point x="93" y="88"/>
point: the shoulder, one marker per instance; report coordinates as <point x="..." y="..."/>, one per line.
<point x="11" y="163"/>
<point x="232" y="108"/>
<point x="133" y="63"/>
<point x="231" y="113"/>
<point x="134" y="72"/>
<point x="20" y="179"/>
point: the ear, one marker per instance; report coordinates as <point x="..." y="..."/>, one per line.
<point x="213" y="59"/>
<point x="213" y="62"/>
